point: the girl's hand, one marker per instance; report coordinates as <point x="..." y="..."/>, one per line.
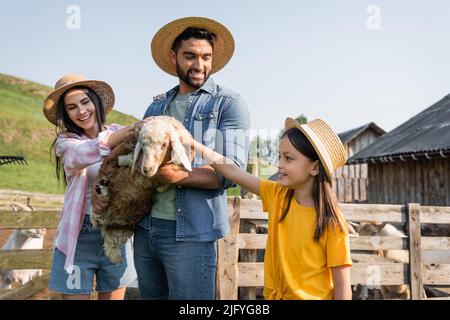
<point x="184" y="135"/>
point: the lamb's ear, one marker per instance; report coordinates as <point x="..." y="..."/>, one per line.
<point x="137" y="151"/>
<point x="178" y="152"/>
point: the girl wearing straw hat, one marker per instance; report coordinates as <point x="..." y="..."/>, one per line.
<point x="307" y="253"/>
<point x="78" y="107"/>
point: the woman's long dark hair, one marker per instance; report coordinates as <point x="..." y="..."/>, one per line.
<point x="67" y="126"/>
<point x="325" y="201"/>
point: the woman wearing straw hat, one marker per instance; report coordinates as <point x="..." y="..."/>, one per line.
<point x="78" y="107"/>
<point x="174" y="245"/>
<point x="307" y="253"/>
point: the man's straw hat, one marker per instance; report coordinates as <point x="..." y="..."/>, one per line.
<point x="102" y="89"/>
<point x="162" y="42"/>
<point x="327" y="144"/>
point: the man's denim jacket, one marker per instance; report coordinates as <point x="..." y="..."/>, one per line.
<point x="219" y="118"/>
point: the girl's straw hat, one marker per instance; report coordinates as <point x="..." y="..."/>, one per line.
<point x="163" y="40"/>
<point x="102" y="89"/>
<point x="327" y="144"/>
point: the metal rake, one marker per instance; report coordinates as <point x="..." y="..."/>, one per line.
<point x="12" y="160"/>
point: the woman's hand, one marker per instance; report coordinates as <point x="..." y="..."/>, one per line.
<point x="98" y="203"/>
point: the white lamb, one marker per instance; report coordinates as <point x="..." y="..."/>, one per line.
<point x="21" y="239"/>
<point x="125" y="178"/>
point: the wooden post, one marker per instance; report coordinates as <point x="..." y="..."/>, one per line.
<point x="253" y="168"/>
<point x="415" y="260"/>
<point x="227" y="255"/>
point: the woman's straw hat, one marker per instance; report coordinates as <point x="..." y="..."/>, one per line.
<point x="102" y="89"/>
<point x="327" y="144"/>
<point x="163" y="40"/>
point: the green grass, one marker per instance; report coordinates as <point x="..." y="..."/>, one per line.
<point x="26" y="132"/>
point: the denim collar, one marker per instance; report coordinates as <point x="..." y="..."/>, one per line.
<point x="207" y="87"/>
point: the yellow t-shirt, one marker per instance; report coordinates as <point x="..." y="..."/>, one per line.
<point x="295" y="265"/>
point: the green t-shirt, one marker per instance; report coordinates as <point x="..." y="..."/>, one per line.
<point x="164" y="202"/>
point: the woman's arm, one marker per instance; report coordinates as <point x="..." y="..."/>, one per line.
<point x="342" y="285"/>
<point x="116" y="137"/>
<point x="78" y="153"/>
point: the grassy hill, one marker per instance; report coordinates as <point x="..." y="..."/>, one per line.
<point x="24" y="131"/>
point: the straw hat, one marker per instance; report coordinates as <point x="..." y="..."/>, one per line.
<point x="102" y="89"/>
<point x="327" y="144"/>
<point x="163" y="40"/>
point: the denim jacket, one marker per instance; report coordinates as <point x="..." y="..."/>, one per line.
<point x="218" y="118"/>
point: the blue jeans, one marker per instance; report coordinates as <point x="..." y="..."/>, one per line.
<point x="169" y="269"/>
<point x="90" y="260"/>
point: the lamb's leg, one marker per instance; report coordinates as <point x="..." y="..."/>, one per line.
<point x="114" y="239"/>
<point x="102" y="188"/>
<point x="96" y="219"/>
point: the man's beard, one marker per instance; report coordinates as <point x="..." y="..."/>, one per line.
<point x="186" y="79"/>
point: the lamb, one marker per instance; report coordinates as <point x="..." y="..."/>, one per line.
<point x="125" y="178"/>
<point x="21" y="239"/>
<point x="397" y="256"/>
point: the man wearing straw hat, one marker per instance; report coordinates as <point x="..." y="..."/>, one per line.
<point x="174" y="245"/>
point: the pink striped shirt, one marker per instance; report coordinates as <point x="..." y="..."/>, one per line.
<point x="78" y="153"/>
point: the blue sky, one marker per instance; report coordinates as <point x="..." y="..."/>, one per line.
<point x="313" y="57"/>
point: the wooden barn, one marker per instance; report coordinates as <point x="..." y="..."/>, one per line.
<point x="412" y="162"/>
<point x="350" y="181"/>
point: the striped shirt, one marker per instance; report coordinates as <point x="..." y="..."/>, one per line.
<point x="78" y="152"/>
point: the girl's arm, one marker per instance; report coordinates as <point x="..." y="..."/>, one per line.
<point x="225" y="166"/>
<point x="342" y="285"/>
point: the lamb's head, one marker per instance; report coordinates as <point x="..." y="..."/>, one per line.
<point x="159" y="143"/>
<point x="369" y="228"/>
<point x="33" y="233"/>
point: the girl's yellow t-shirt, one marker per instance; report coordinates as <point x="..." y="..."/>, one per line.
<point x="295" y="265"/>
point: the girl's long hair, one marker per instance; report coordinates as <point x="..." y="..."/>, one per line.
<point x="67" y="126"/>
<point x="325" y="201"/>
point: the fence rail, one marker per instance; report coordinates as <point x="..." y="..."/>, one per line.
<point x="234" y="273"/>
<point x="246" y="218"/>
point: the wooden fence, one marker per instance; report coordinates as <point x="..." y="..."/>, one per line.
<point x="31" y="258"/>
<point x="46" y="215"/>
<point x="368" y="269"/>
<point x="233" y="273"/>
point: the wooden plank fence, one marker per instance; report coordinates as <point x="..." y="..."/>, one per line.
<point x="27" y="259"/>
<point x="368" y="269"/>
<point x="234" y="273"/>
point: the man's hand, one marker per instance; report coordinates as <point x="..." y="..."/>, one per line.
<point x="167" y="174"/>
<point x="204" y="177"/>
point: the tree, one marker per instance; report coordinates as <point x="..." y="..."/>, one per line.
<point x="265" y="148"/>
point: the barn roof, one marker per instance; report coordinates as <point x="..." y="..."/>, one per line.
<point x="425" y="135"/>
<point x="349" y="135"/>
